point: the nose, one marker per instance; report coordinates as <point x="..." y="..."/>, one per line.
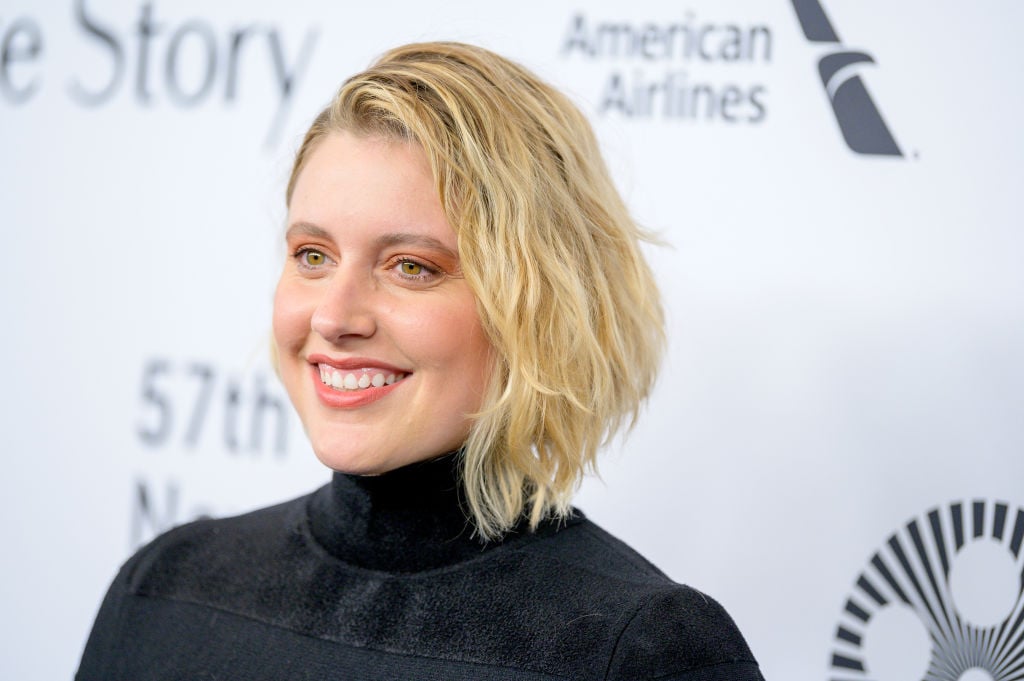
<point x="345" y="308"/>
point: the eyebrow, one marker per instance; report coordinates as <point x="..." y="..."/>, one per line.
<point x="306" y="229"/>
<point x="384" y="240"/>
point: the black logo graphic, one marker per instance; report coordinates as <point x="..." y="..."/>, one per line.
<point x="859" y="120"/>
<point x="957" y="571"/>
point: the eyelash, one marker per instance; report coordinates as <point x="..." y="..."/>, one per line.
<point x="300" y="258"/>
<point x="428" y="271"/>
<point x="395" y="264"/>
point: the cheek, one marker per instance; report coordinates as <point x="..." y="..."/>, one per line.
<point x="290" y="318"/>
<point x="468" y="351"/>
<point x="446" y="336"/>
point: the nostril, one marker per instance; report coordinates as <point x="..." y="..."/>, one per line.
<point x="336" y="318"/>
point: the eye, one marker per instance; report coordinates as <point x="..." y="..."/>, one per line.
<point x="310" y="259"/>
<point x="410" y="268"/>
<point x="414" y="272"/>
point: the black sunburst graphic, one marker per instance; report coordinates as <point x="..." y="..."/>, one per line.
<point x="913" y="568"/>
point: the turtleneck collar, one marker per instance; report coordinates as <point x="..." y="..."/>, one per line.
<point x="406" y="520"/>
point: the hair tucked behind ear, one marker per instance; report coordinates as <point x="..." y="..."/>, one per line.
<point x="549" y="249"/>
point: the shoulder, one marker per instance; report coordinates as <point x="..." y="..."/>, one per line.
<point x="191" y="564"/>
<point x="665" y="630"/>
<point x="682" y="633"/>
<point x="205" y="555"/>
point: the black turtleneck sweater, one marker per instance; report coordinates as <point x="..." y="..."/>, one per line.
<point x="379" y="578"/>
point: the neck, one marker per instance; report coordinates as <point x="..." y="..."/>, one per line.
<point x="406" y="520"/>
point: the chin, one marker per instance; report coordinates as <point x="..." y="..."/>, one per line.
<point x="354" y="463"/>
<point x="363" y="461"/>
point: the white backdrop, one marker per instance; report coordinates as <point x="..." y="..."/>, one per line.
<point x="846" y="328"/>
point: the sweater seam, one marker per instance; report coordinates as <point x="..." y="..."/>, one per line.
<point x="701" y="667"/>
<point x="268" y="623"/>
<point x="676" y="672"/>
<point x="618" y="639"/>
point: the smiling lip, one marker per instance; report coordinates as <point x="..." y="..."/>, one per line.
<point x="354" y="381"/>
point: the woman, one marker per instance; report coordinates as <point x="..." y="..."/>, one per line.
<point x="464" y="317"/>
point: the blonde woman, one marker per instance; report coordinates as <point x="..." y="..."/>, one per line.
<point x="463" y="319"/>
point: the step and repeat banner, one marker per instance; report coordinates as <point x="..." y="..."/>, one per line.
<point x="835" y="449"/>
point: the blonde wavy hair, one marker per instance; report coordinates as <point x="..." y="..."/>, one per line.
<point x="547" y="246"/>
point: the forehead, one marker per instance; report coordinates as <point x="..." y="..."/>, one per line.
<point x="368" y="182"/>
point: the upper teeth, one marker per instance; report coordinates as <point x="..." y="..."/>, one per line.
<point x="357" y="380"/>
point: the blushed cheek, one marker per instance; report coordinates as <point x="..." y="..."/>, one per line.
<point x="477" y="357"/>
<point x="280" y="326"/>
<point x="290" y="321"/>
<point x="289" y="338"/>
<point x="284" y="301"/>
<point x="484" y="366"/>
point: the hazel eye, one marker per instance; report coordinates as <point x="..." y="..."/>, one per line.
<point x="313" y="258"/>
<point x="411" y="268"/>
<point x="410" y="271"/>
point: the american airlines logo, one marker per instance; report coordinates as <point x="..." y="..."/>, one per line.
<point x="859" y="119"/>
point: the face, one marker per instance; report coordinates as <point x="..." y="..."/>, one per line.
<point x="379" y="341"/>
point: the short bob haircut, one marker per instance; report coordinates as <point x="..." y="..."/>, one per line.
<point x="549" y="249"/>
